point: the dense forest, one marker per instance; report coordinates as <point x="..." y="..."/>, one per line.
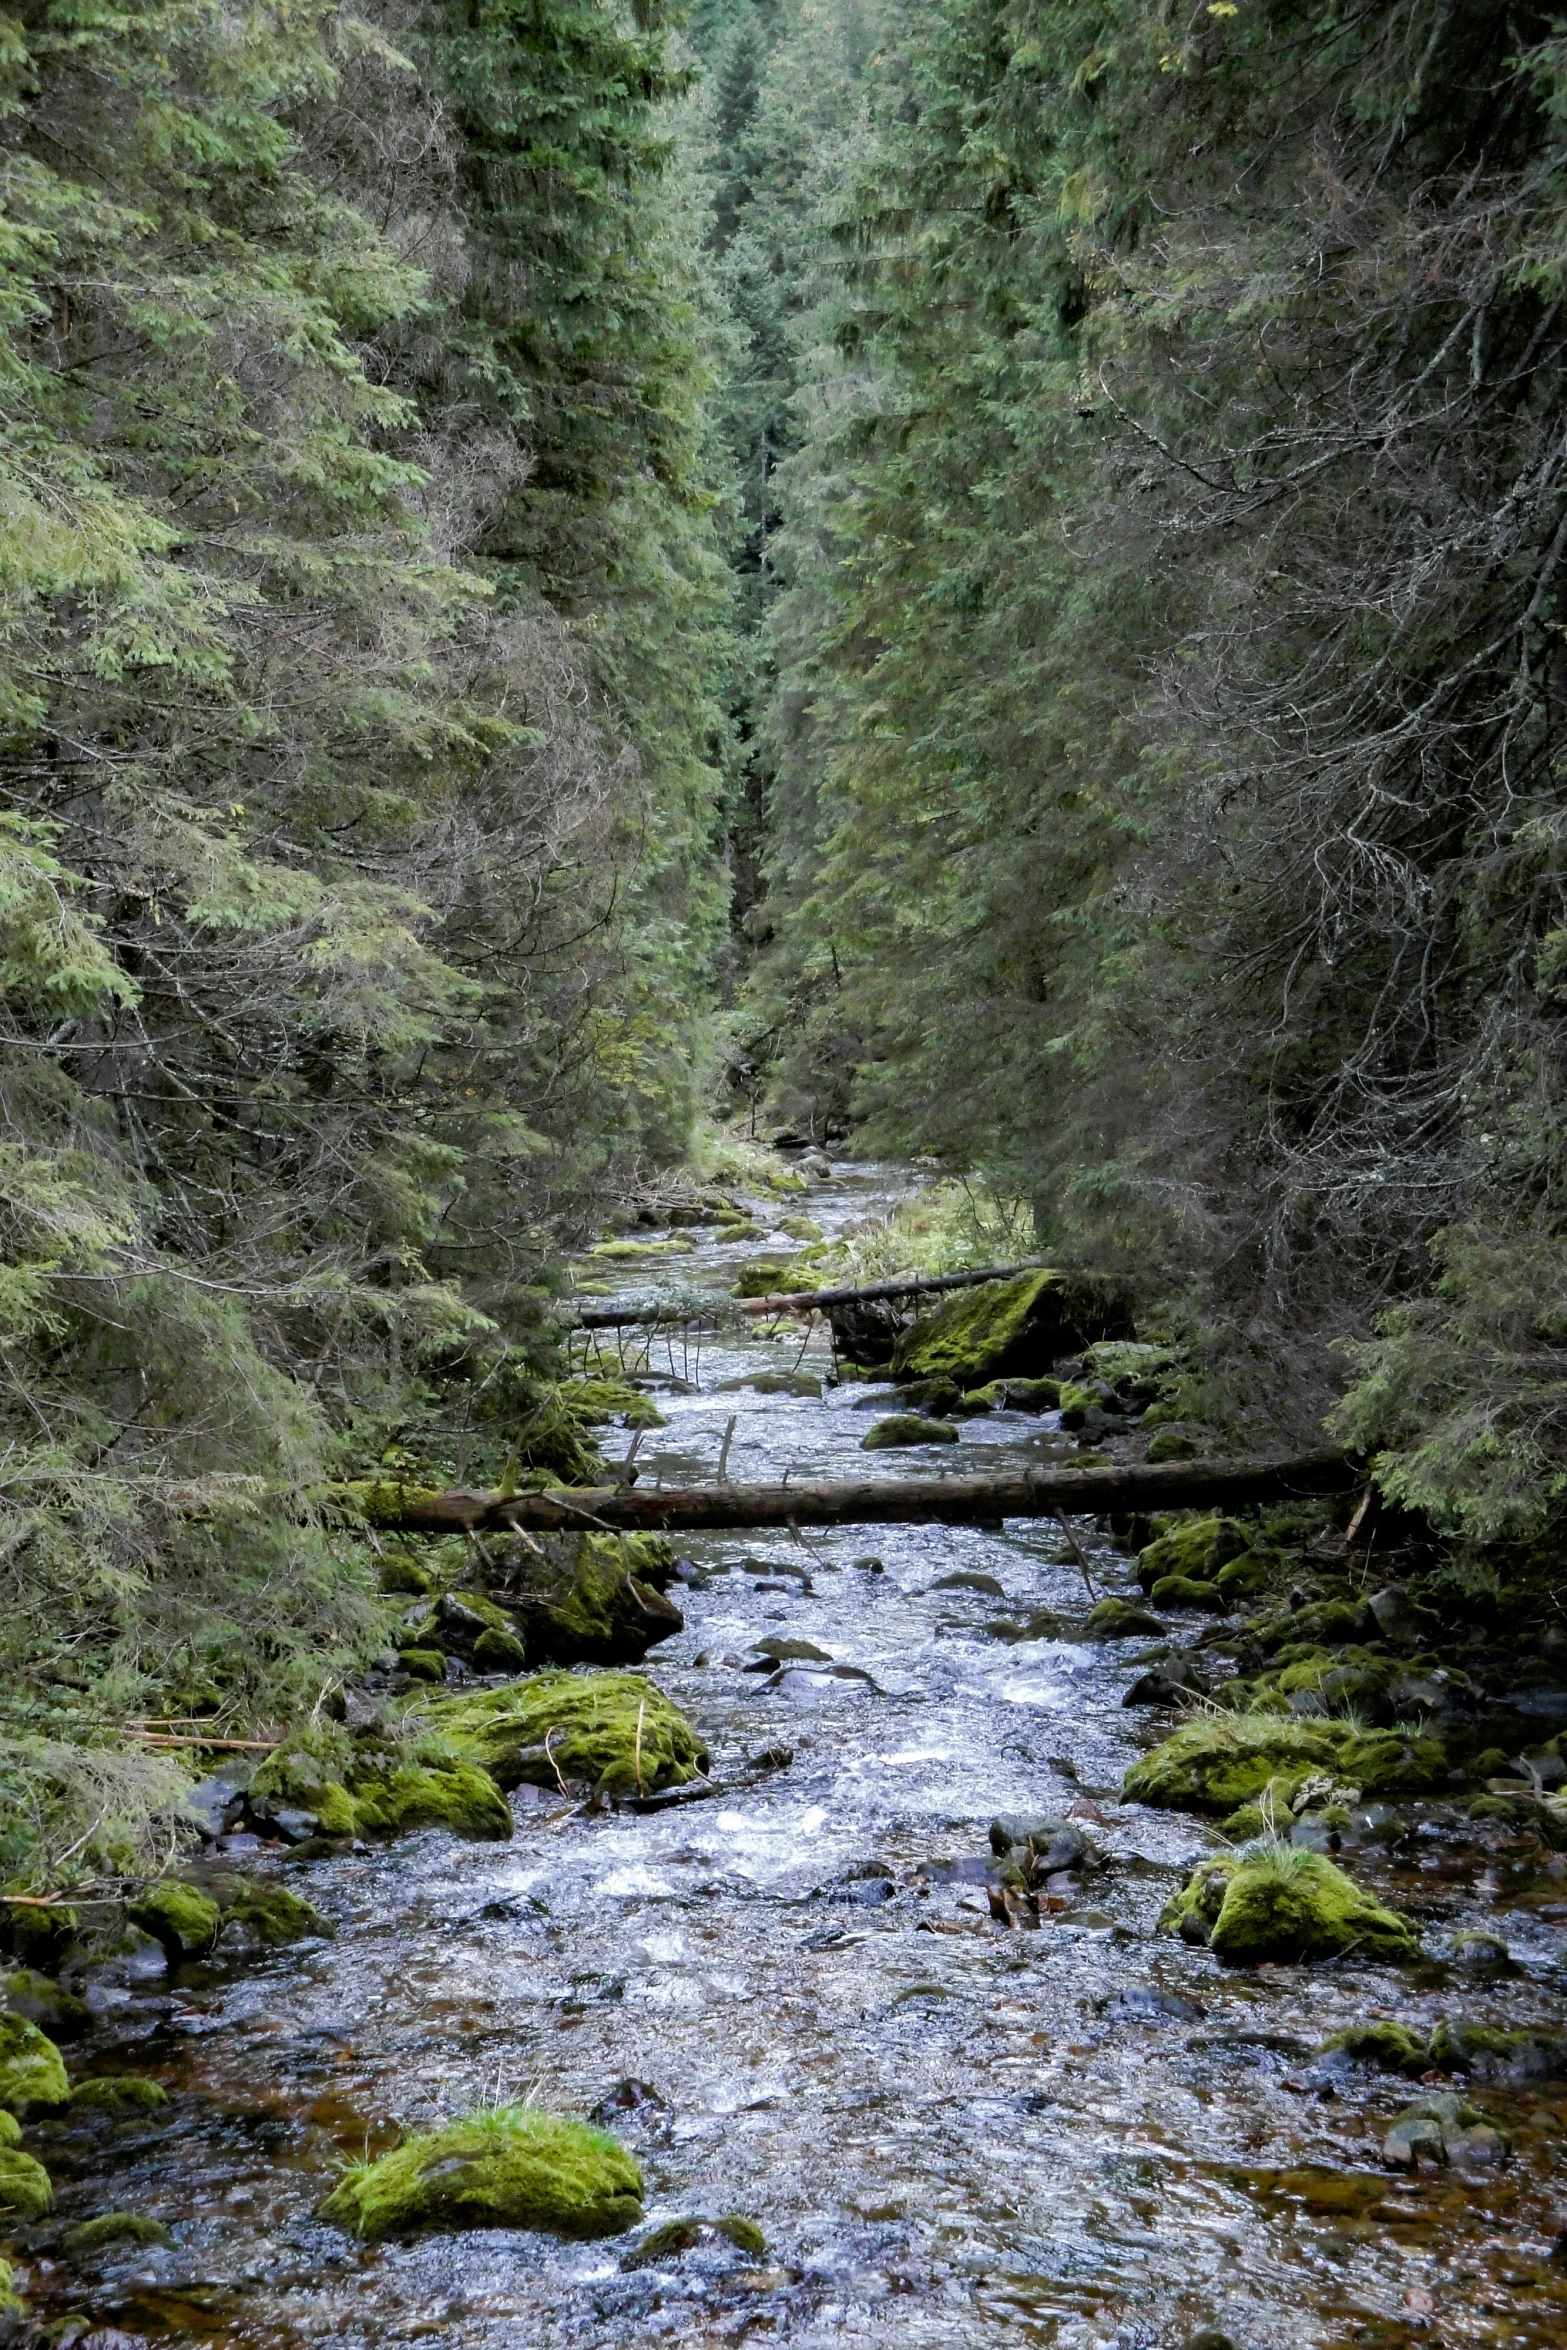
<point x="978" y="582"/>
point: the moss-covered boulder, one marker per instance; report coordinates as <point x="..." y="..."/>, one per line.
<point x="515" y="2168"/>
<point x="593" y="1599"/>
<point x="1017" y="1395"/>
<point x="773" y="1277"/>
<point x="12" y="2310"/>
<point x="1284" y="1903"/>
<point x="1014" y="1328"/>
<point x="599" y="1402"/>
<point x="906" y="1428"/>
<point x="1195" y="1548"/>
<point x="1458" y="2045"/>
<point x="45" y="2003"/>
<point x="113" y="2231"/>
<point x="1391" y="2047"/>
<point x="26" y="2192"/>
<point x="363" y="1788"/>
<point x="32" y="2070"/>
<point x="1243" y="1578"/>
<point x="1330" y="1623"/>
<point x="274" y="1913"/>
<point x="10" y="2129"/>
<point x="119" y="2096"/>
<point x="1118" y="1619"/>
<point x="184" y="1920"/>
<point x="1221" y="1761"/>
<point x="1184" y="1591"/>
<point x="1170" y="1444"/>
<point x="615" y="1731"/>
<point x="676" y="2236"/>
<point x="423" y="1664"/>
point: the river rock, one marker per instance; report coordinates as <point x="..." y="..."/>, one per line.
<point x="47" y="2004"/>
<point x="1445" y="2128"/>
<point x="1174" y="1684"/>
<point x="907" y="1428"/>
<point x="1045" y="1847"/>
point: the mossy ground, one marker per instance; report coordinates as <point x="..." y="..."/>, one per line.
<point x="1284" y="1903"/>
<point x="32" y="2071"/>
<point x="518" y="2167"/>
<point x="614" y="1730"/>
<point x="1221" y="1761"/>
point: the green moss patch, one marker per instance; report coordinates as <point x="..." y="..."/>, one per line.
<point x="113" y="2228"/>
<point x="120" y="2095"/>
<point x="1221" y="1761"/>
<point x="32" y="2071"/>
<point x="515" y="2168"/>
<point x="614" y="1730"/>
<point x="1018" y="1327"/>
<point x="26" y="2192"/>
<point x="1285" y="1904"/>
<point x="44" y="2003"/>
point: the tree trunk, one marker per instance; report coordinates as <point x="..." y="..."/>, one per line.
<point x="929" y="1500"/>
<point x="804" y="1300"/>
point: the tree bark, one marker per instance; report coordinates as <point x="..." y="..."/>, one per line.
<point x="929" y="1500"/>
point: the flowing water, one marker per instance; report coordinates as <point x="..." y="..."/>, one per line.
<point x="794" y="2003"/>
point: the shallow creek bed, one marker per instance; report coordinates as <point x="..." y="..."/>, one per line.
<point x="795" y="2004"/>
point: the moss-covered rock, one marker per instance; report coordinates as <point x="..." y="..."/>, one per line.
<point x="1118" y="1619"/>
<point x="111" y="2229"/>
<point x="121" y="2096"/>
<point x="12" y="2311"/>
<point x="1243" y="1578"/>
<point x="1332" y="1623"/>
<point x="773" y="1277"/>
<point x="1182" y="1591"/>
<point x="598" y="1402"/>
<point x="1391" y="2047"/>
<point x="32" y="2070"/>
<point x="1445" y="2128"/>
<point x="1170" y="1444"/>
<point x="1018" y="1395"/>
<point x="26" y="2191"/>
<point x="676" y="2236"/>
<point x="10" y="2129"/>
<point x="400" y="1572"/>
<point x="515" y="2168"/>
<point x="184" y="1920"/>
<point x="594" y="1599"/>
<point x="1221" y="1761"/>
<point x="275" y="1913"/>
<point x="639" y="1252"/>
<point x="614" y="1730"/>
<point x="1285" y="1903"/>
<point x="1491" y="2053"/>
<point x="1011" y="1328"/>
<point x="356" y="1788"/>
<point x="423" y="1664"/>
<point x="1195" y="1548"/>
<point x="45" y="2003"/>
<point x="906" y="1428"/>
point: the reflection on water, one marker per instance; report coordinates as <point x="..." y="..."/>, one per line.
<point x="794" y="2003"/>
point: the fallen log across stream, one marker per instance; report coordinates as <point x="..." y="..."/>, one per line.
<point x="791" y="1301"/>
<point x="931" y="1500"/>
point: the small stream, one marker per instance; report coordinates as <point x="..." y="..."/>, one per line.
<point x="795" y="2004"/>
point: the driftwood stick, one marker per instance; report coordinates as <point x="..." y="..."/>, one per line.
<point x="929" y="1500"/>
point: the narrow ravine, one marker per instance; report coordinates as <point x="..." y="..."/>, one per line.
<point x="796" y="2005"/>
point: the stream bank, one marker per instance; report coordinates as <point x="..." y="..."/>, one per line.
<point x="794" y="2003"/>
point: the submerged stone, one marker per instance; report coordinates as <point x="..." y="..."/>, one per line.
<point x="113" y="2227"/>
<point x="518" y="2167"/>
<point x="907" y="1428"/>
<point x="1285" y="1904"/>
<point x="120" y="2095"/>
<point x="615" y="1730"/>
<point x="1445" y="2128"/>
<point x="32" y="2071"/>
<point x="1018" y="1327"/>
